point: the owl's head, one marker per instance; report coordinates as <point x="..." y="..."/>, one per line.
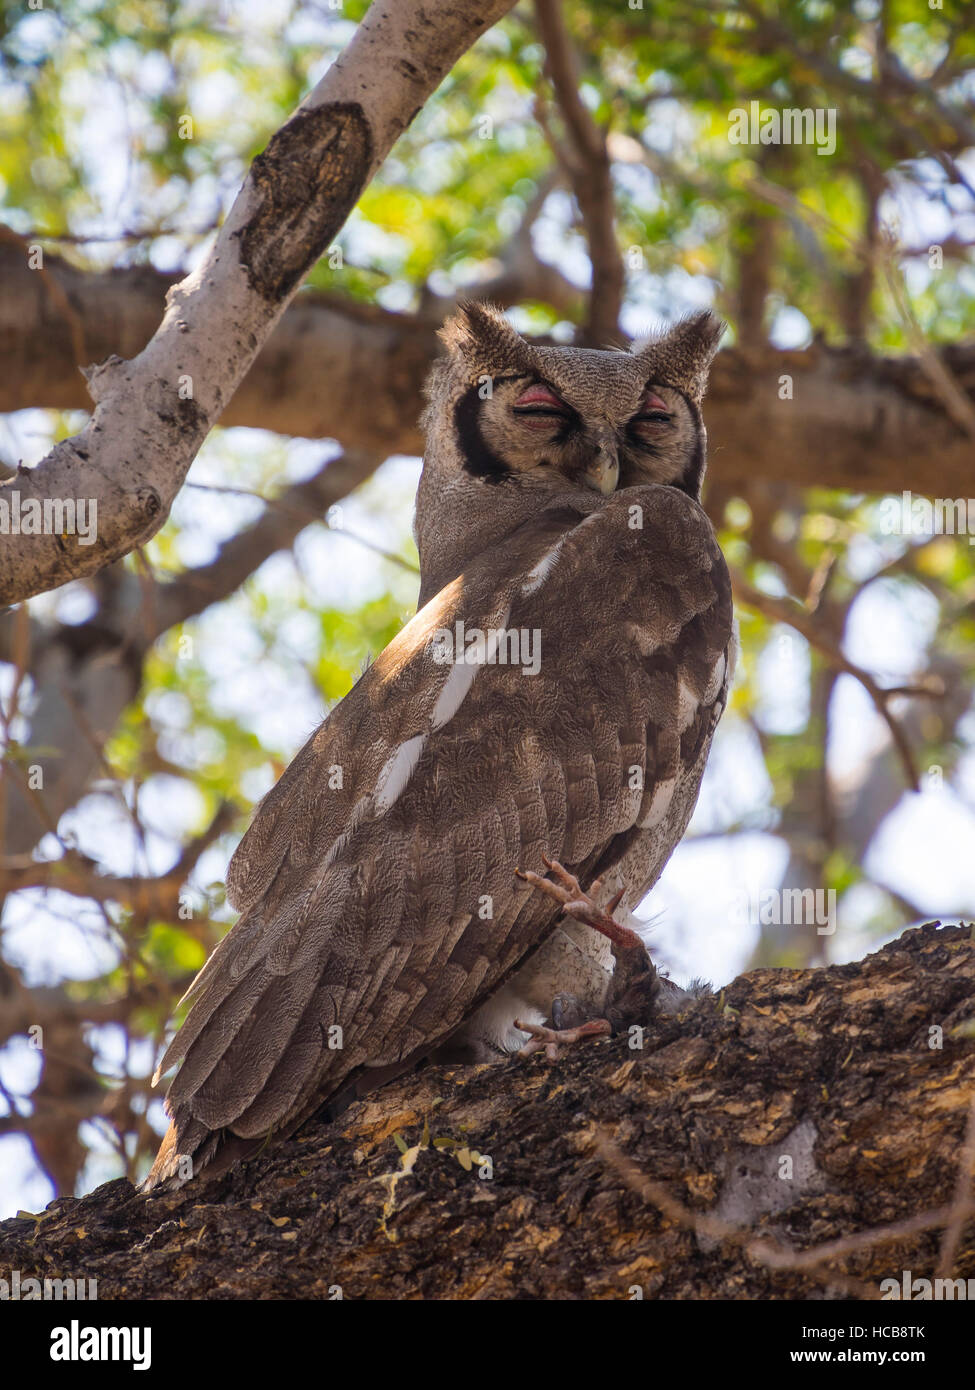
<point x="510" y="425"/>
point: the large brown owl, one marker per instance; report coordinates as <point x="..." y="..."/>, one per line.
<point x="553" y="699"/>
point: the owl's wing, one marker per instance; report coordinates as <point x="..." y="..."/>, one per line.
<point x="377" y="882"/>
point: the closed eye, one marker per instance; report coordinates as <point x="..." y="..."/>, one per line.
<point x="650" y="425"/>
<point x="541" y="400"/>
<point x="653" y="418"/>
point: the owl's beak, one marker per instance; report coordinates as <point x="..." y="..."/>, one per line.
<point x="602" y="475"/>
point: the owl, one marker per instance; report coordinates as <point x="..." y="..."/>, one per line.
<point x="502" y="413"/>
<point x="550" y="707"/>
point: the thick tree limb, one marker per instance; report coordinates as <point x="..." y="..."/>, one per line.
<point x="797" y="1136"/>
<point x="855" y="421"/>
<point x="153" y="412"/>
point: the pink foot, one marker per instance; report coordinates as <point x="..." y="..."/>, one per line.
<point x="552" y="1039"/>
<point x="634" y="983"/>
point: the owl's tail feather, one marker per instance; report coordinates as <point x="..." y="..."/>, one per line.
<point x="190" y="1146"/>
<point x="184" y="1155"/>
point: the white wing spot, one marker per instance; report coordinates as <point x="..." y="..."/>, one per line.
<point x="461" y="676"/>
<point x="659" y="804"/>
<point x="397" y="771"/>
<point x="716" y="682"/>
<point x="687" y="705"/>
<point x="401" y="763"/>
<point x="455" y="687"/>
<point x="537" y="576"/>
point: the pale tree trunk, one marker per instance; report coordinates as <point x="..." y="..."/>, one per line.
<point x="153" y="412"/>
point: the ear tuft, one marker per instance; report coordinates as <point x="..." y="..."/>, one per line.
<point x="483" y="338"/>
<point x="682" y="355"/>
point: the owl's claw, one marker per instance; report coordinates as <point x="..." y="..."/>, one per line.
<point x="635" y="983"/>
<point x="566" y="889"/>
<point x="552" y="1039"/>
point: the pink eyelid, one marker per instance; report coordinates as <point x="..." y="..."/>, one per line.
<point x="539" y="395"/>
<point x="651" y="401"/>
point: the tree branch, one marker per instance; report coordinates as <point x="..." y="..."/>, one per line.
<point x="587" y="165"/>
<point x="77" y="874"/>
<point x="153" y="413"/>
<point x="863" y="423"/>
<point x="792" y="613"/>
<point x="88" y="673"/>
<point x="611" y="1173"/>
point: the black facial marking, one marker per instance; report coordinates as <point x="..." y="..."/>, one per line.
<point x="478" y="458"/>
<point x="570" y="424"/>
<point x="692" y="479"/>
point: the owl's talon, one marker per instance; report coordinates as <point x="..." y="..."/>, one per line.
<point x="552" y="1039"/>
<point x="635" y="983"/>
<point x="566" y="889"/>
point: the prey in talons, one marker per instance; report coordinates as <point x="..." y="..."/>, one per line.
<point x="634" y="983"/>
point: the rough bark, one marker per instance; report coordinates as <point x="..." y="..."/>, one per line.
<point x="855" y="421"/>
<point x="153" y="412"/>
<point x="614" y="1170"/>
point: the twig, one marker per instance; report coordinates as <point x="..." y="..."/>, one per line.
<point x="77" y="874"/>
<point x="771" y="1253"/>
<point x="780" y="610"/>
<point x="587" y="164"/>
<point x="308" y="516"/>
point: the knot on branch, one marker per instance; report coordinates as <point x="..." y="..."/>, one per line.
<point x="304" y="186"/>
<point x="102" y="377"/>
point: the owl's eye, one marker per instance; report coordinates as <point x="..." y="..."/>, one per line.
<point x="653" y="418"/>
<point x="541" y="402"/>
